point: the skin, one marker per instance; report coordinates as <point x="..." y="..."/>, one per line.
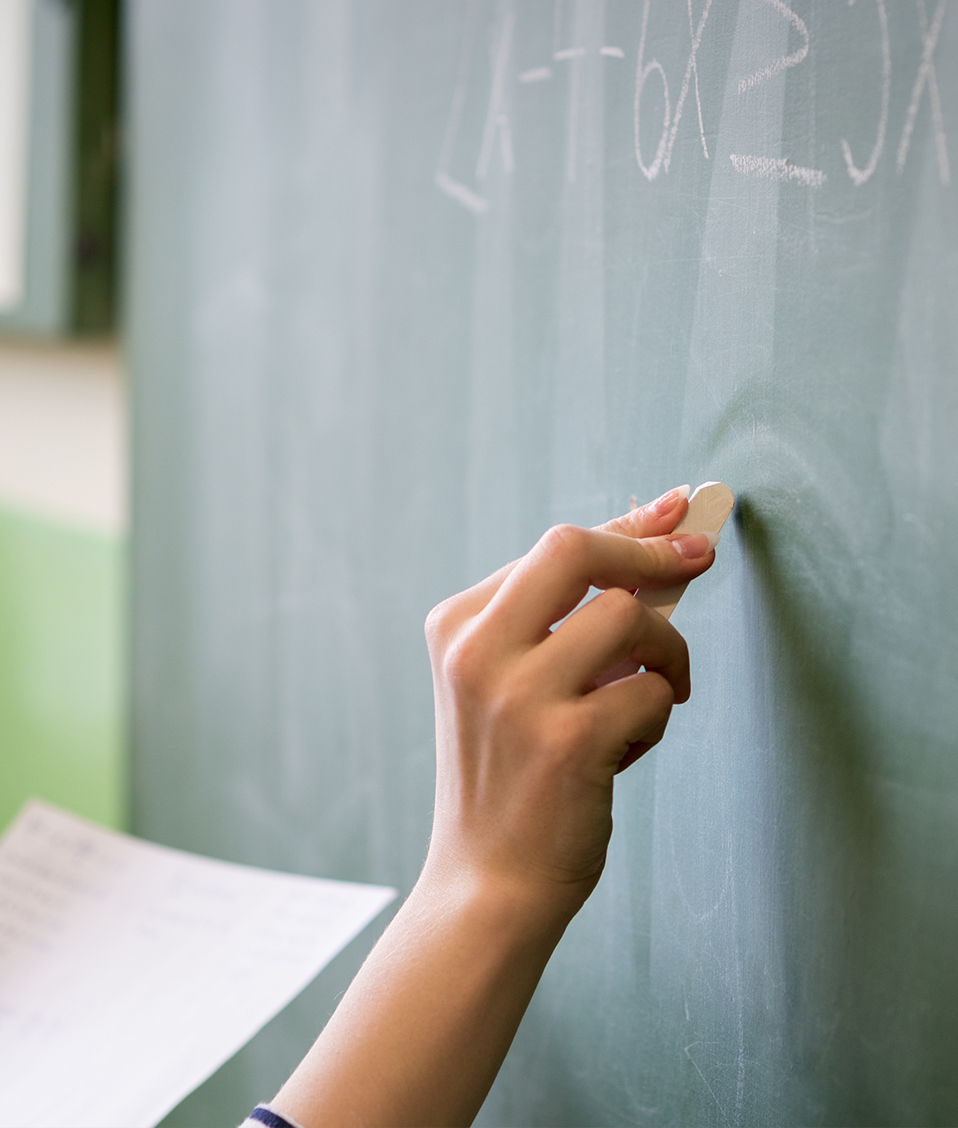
<point x="529" y="739"/>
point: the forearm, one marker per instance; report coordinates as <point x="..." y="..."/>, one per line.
<point x="421" y="1032"/>
<point x="529" y="738"/>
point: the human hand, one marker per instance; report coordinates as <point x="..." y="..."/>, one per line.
<point x="530" y="735"/>
<point x="528" y="744"/>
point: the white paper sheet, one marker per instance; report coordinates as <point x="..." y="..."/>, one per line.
<point x="129" y="972"/>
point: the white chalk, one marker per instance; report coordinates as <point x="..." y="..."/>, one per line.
<point x="775" y="168"/>
<point x="708" y="511"/>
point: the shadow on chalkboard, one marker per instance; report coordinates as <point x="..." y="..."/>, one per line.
<point x="810" y="644"/>
<point x="836" y="845"/>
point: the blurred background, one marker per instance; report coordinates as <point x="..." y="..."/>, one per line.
<point x="63" y="461"/>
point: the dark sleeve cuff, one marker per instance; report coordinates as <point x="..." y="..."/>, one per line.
<point x="262" y="1116"/>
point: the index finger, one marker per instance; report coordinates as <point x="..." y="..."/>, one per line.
<point x="656" y="518"/>
<point x="550" y="581"/>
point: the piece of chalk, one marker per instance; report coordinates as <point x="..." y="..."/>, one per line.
<point x="708" y="511"/>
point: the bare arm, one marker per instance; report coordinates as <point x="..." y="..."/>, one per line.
<point x="527" y="747"/>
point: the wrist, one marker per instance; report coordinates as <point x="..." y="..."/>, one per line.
<point x="523" y="914"/>
<point x="434" y="1008"/>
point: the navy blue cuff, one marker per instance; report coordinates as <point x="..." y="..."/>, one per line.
<point x="263" y="1115"/>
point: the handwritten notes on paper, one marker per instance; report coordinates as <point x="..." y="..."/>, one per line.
<point x="129" y="972"/>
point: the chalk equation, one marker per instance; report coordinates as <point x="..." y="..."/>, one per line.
<point x="654" y="147"/>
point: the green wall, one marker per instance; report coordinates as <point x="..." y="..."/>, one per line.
<point x="61" y="662"/>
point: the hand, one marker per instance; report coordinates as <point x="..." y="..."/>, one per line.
<point x="528" y="743"/>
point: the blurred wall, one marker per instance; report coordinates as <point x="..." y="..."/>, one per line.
<point x="44" y="305"/>
<point x="60" y="123"/>
<point x="62" y="587"/>
<point x="62" y="412"/>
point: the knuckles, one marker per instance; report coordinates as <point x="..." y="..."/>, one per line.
<point x="507" y="708"/>
<point x="505" y="696"/>
<point x="575" y="729"/>
<point x="659" y="693"/>
<point x="559" y="735"/>
<point x="637" y="618"/>
<point x="508" y="703"/>
<point x="624" y="606"/>
<point x="456" y="648"/>
<point x="567" y="541"/>
<point x="463" y="662"/>
<point x="437" y="623"/>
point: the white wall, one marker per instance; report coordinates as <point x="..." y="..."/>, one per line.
<point x="63" y="434"/>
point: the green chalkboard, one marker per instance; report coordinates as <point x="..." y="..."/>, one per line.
<point x="410" y="282"/>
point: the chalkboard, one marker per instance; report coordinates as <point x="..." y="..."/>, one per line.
<point x="408" y="283"/>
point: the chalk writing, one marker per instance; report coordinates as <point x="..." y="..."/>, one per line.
<point x="860" y="175"/>
<point x="573" y="55"/>
<point x="772" y="168"/>
<point x="927" y="77"/>
<point x="691" y="71"/>
<point x="470" y="200"/>
<point x="663" y="154"/>
<point x="654" y="142"/>
<point x="763" y="74"/>
<point x="455" y="189"/>
<point x="642" y="72"/>
<point x="496" y="118"/>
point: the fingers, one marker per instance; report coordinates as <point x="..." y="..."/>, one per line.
<point x="631" y="714"/>
<point x="457" y="608"/>
<point x="549" y="582"/>
<point x="611" y="629"/>
<point x="638" y="750"/>
<point x="654" y="519"/>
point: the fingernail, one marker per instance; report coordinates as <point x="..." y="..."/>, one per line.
<point x="695" y="545"/>
<point x="669" y="500"/>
